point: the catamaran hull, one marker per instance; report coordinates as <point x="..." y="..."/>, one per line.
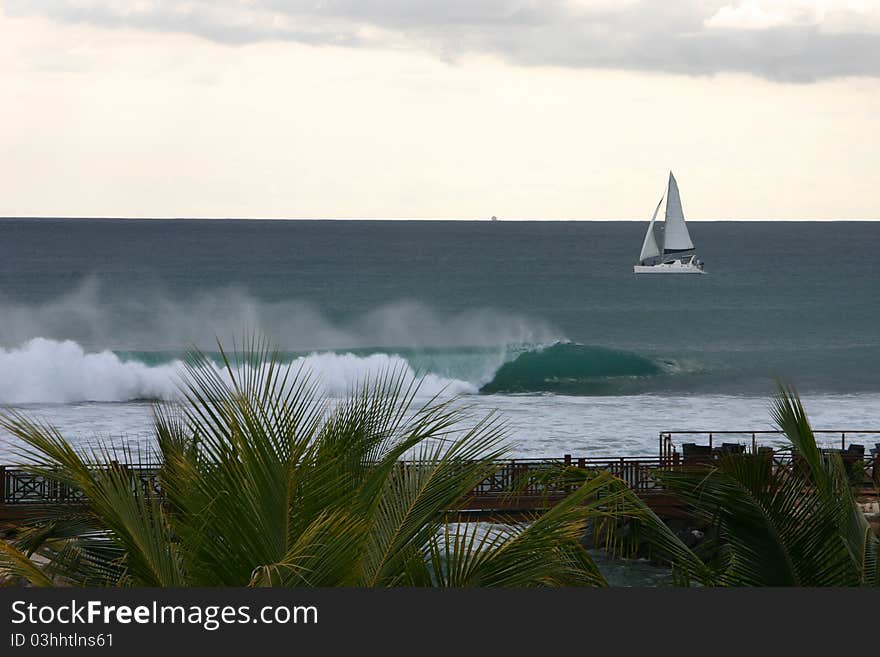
<point x="675" y="267"/>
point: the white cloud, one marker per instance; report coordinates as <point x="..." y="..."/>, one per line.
<point x="792" y="40"/>
<point x="833" y="15"/>
<point x="756" y="15"/>
<point x="142" y="122"/>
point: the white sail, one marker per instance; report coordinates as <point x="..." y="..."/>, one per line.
<point x="649" y="246"/>
<point x="675" y="235"/>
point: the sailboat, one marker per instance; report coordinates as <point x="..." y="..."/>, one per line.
<point x="676" y="254"/>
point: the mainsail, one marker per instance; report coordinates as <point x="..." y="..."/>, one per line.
<point x="649" y="246"/>
<point x="675" y="235"/>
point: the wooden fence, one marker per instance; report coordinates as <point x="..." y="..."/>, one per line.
<point x="516" y="483"/>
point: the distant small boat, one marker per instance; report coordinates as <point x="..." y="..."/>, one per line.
<point x="676" y="256"/>
<point x="494" y="218"/>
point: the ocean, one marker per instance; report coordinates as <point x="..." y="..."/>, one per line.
<point x="542" y="321"/>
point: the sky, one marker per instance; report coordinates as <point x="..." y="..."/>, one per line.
<point x="524" y="109"/>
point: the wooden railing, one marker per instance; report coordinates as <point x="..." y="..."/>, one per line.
<point x="522" y="477"/>
<point x="749" y="438"/>
<point x="21" y="486"/>
<point x="526" y="479"/>
<point x="865" y="453"/>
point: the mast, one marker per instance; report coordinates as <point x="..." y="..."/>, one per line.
<point x="675" y="235"/>
<point x="649" y="245"/>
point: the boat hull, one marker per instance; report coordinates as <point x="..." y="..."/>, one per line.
<point x="674" y="267"/>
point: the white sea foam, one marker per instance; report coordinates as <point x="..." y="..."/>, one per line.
<point x="338" y="373"/>
<point x="62" y="371"/>
<point x="52" y="371"/>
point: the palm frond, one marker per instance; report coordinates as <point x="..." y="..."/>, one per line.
<point x="15" y="563"/>
<point x="780" y="525"/>
<point x="264" y="482"/>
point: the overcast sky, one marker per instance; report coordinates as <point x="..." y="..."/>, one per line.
<point x="765" y="109"/>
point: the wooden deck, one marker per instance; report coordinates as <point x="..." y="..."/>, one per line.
<point x="514" y="488"/>
<point x="24" y="495"/>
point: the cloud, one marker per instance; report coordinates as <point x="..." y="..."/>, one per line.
<point x="828" y="15"/>
<point x="789" y="40"/>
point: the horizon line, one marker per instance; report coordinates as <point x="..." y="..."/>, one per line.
<point x="427" y="219"/>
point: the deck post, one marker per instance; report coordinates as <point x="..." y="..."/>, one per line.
<point x="710" y="441"/>
<point x="754" y="444"/>
<point x="842" y="441"/>
<point x="2" y="484"/>
<point x="567" y="459"/>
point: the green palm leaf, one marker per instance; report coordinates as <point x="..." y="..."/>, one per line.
<point x="266" y="483"/>
<point x="779" y="525"/>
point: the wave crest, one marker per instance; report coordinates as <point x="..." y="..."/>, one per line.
<point x="51" y="371"/>
<point x="570" y="368"/>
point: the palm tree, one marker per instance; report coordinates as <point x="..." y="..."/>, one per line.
<point x="780" y="525"/>
<point x="265" y="483"/>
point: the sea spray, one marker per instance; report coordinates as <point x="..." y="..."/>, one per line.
<point x="94" y="315"/>
<point x="51" y="371"/>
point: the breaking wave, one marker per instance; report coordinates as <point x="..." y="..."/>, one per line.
<point x="51" y="371"/>
<point x="569" y="368"/>
<point x="62" y="371"/>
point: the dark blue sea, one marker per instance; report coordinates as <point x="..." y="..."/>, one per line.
<point x="544" y="321"/>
